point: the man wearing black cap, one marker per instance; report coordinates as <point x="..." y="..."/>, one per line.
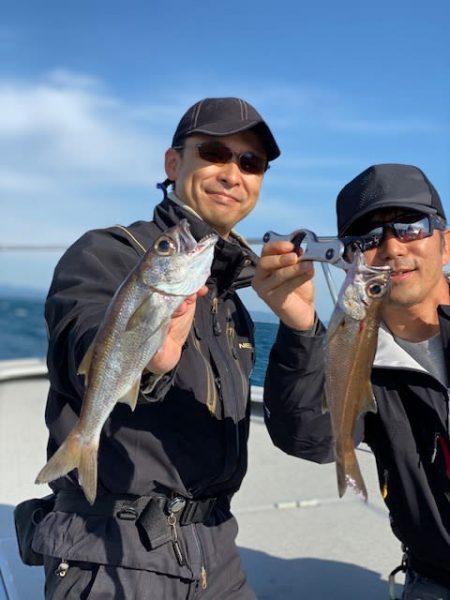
<point x="394" y="214"/>
<point x="161" y="526"/>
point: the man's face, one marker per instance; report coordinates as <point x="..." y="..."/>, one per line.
<point x="416" y="265"/>
<point x="222" y="194"/>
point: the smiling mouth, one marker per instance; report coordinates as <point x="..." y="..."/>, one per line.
<point x="224" y="196"/>
<point x="399" y="273"/>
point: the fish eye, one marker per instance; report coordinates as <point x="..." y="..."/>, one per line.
<point x="164" y="246"/>
<point x="375" y="290"/>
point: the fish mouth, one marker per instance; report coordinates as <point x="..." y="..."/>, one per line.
<point x="205" y="243"/>
<point x="188" y="244"/>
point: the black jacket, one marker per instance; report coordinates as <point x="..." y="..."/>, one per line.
<point x="409" y="435"/>
<point x="189" y="435"/>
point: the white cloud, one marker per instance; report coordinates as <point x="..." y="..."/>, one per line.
<point x="13" y="182"/>
<point x="64" y="127"/>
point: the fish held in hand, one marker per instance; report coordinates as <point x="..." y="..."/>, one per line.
<point x="350" y="351"/>
<point x="133" y="330"/>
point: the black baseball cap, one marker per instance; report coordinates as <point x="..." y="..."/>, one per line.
<point x="385" y="186"/>
<point x="225" y="116"/>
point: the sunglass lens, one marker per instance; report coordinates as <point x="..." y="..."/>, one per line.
<point x="252" y="163"/>
<point x="412" y="231"/>
<point x="215" y="153"/>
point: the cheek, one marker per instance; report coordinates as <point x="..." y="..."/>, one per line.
<point x="371" y="258"/>
<point x="254" y="189"/>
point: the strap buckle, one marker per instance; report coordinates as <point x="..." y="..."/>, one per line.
<point x="197" y="511"/>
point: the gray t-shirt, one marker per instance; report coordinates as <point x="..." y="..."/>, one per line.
<point x="429" y="354"/>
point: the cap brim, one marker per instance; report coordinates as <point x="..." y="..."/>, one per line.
<point x="229" y="128"/>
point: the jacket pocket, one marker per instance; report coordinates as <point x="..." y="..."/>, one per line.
<point x="27" y="516"/>
<point x="105" y="540"/>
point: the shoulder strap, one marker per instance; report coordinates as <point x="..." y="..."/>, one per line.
<point x="131" y="236"/>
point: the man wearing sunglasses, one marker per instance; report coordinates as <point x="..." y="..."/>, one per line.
<point x="177" y="460"/>
<point x="394" y="214"/>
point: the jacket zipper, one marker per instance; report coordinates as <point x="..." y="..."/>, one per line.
<point x="230" y="337"/>
<point x="211" y="388"/>
<point x="448" y="415"/>
<point x="217" y="331"/>
<point x="203" y="572"/>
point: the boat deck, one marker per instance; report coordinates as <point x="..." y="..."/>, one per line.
<point x="297" y="538"/>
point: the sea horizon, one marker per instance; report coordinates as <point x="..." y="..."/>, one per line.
<point x="23" y="332"/>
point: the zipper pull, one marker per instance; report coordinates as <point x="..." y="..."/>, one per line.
<point x="172" y="520"/>
<point x="384" y="489"/>
<point x="433" y="456"/>
<point x="62" y="568"/>
<point x="214" y="309"/>
<point x="203" y="578"/>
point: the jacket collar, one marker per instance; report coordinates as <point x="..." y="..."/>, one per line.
<point x="234" y="261"/>
<point x="390" y="354"/>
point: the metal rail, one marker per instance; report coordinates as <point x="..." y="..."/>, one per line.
<point x="62" y="247"/>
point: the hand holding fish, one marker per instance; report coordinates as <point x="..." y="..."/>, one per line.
<point x="167" y="357"/>
<point x="285" y="284"/>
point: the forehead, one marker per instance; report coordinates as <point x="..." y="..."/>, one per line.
<point x="239" y="142"/>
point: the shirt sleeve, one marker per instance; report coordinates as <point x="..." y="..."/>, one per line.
<point x="293" y="395"/>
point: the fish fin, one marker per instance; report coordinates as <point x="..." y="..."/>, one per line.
<point x="349" y="474"/>
<point x="66" y="458"/>
<point x="85" y="364"/>
<point x="336" y="322"/>
<point x="368" y="401"/>
<point x="139" y="315"/>
<point x="87" y="471"/>
<point x="72" y="454"/>
<point x="130" y="397"/>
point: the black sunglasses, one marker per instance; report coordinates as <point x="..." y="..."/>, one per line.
<point x="405" y="228"/>
<point x="218" y="153"/>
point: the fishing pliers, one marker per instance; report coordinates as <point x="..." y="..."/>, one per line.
<point x="328" y="250"/>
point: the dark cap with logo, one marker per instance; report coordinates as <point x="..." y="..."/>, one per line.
<point x="386" y="186"/>
<point x="225" y="116"/>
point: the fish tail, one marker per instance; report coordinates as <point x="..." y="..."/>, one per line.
<point x="73" y="454"/>
<point x="87" y="471"/>
<point x="349" y="473"/>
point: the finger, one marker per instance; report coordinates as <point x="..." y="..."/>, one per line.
<point x="291" y="276"/>
<point x="202" y="291"/>
<point x="185" y="306"/>
<point x="286" y="265"/>
<point x="277" y="248"/>
<point x="268" y="264"/>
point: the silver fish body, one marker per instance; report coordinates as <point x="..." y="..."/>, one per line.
<point x="133" y="330"/>
<point x="350" y="350"/>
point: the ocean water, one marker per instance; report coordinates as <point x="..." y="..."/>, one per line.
<point x="23" y="334"/>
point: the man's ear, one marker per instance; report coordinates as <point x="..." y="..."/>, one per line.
<point x="445" y="246"/>
<point x="172" y="163"/>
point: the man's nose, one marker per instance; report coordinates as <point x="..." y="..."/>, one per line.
<point x="391" y="245"/>
<point x="230" y="172"/>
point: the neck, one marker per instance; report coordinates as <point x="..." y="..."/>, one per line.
<point x="172" y="196"/>
<point x="417" y="322"/>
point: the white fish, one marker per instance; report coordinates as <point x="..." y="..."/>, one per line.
<point x="132" y="331"/>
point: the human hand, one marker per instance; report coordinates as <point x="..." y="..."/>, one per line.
<point x="285" y="284"/>
<point x="180" y="324"/>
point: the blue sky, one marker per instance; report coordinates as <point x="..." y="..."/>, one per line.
<point x="91" y="91"/>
